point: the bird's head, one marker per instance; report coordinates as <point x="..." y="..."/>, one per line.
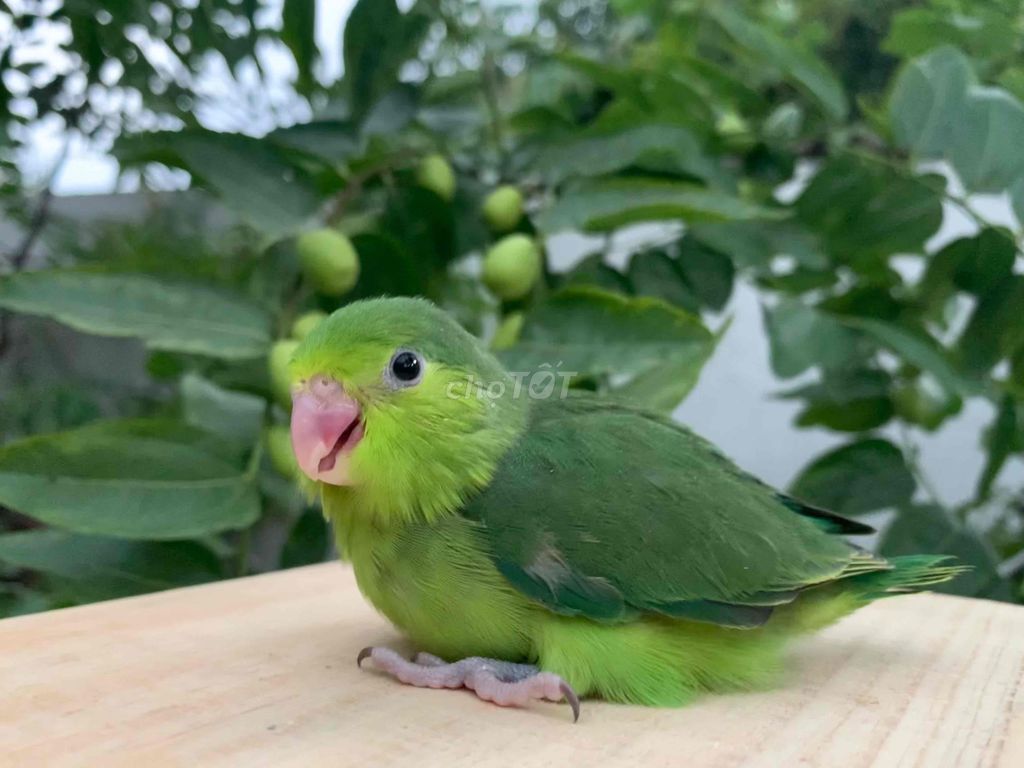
<point x="392" y="402"/>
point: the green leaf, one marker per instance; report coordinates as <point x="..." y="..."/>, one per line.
<point x="602" y="150"/>
<point x="985" y="32"/>
<point x="799" y="281"/>
<point x="234" y="415"/>
<point x="755" y="243"/>
<point x="860" y="477"/>
<point x="802" y="337"/>
<point x="593" y="271"/>
<point x="132" y="479"/>
<point x="975" y="264"/>
<point x="848" y="401"/>
<point x="854" y="416"/>
<point x="1001" y="439"/>
<point x="333" y="141"/>
<point x="165" y="315"/>
<point x="987" y="138"/>
<point x="425" y="225"/>
<point x="799" y="64"/>
<point x="1017" y="201"/>
<point x="308" y="541"/>
<point x="252" y="177"/>
<point x="665" y="387"/>
<point x="624" y="81"/>
<point x="865" y="211"/>
<point x="655" y="273"/>
<point x="386" y="267"/>
<point x="707" y="272"/>
<point x="868" y="299"/>
<point x="844" y="387"/>
<point x="100" y="568"/>
<point x="916" y="348"/>
<point x="927" y="97"/>
<point x="586" y="331"/>
<point x="298" y="32"/>
<point x="378" y="40"/>
<point x="937" y="110"/>
<point x="697" y="276"/>
<point x="995" y="328"/>
<point x="932" y="530"/>
<point x="610" y="203"/>
<point x="1016" y="382"/>
<point x="16" y="600"/>
<point x="391" y="113"/>
<point x="925" y="402"/>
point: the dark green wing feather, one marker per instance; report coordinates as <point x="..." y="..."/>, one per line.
<point x="829" y="522"/>
<point x="608" y="512"/>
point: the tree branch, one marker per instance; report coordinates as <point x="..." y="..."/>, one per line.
<point x="40" y="218"/>
<point x="489" y="74"/>
<point x="338" y="206"/>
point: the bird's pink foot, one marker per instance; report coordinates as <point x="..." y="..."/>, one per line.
<point x="502" y="682"/>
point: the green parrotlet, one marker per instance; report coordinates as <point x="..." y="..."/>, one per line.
<point x="556" y="548"/>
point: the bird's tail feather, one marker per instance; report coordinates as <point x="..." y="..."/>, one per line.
<point x="909" y="573"/>
<point x="821" y="606"/>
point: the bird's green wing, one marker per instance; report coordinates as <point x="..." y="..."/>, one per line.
<point x="607" y="512"/>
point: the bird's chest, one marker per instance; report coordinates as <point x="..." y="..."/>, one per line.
<point x="436" y="584"/>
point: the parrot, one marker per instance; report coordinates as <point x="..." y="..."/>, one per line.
<point x="556" y="548"/>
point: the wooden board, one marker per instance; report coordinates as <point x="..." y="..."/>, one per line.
<point x="261" y="671"/>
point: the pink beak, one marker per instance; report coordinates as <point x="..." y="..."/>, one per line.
<point x="326" y="428"/>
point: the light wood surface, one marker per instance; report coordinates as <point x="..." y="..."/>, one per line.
<point x="261" y="671"/>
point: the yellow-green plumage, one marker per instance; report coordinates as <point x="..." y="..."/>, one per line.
<point x="605" y="544"/>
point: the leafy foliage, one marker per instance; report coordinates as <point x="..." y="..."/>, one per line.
<point x="807" y="149"/>
<point x="181" y="318"/>
<point x="136" y="479"/>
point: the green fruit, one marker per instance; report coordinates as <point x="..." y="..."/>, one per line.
<point x="280" y="382"/>
<point x="329" y="261"/>
<point x="305" y="323"/>
<point x="735" y="132"/>
<point x="784" y="123"/>
<point x="279" y="448"/>
<point x="434" y="173"/>
<point x="511" y="267"/>
<point x="732" y="124"/>
<point x="508" y="332"/>
<point x="503" y="208"/>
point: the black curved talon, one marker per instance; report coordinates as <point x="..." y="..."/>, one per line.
<point x="572" y="698"/>
<point x="363" y="656"/>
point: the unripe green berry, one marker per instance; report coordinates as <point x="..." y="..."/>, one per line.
<point x="278" y="441"/>
<point x="436" y="174"/>
<point x="280" y="381"/>
<point x="508" y="332"/>
<point x="503" y="208"/>
<point x="512" y="266"/>
<point x="732" y="124"/>
<point x="735" y="132"/>
<point x="306" y="322"/>
<point x="329" y="261"/>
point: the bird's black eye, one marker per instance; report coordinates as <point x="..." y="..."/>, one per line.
<point x="405" y="368"/>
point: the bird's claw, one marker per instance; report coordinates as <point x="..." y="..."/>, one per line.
<point x="572" y="699"/>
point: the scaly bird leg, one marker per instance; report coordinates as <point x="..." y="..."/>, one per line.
<point x="502" y="682"/>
